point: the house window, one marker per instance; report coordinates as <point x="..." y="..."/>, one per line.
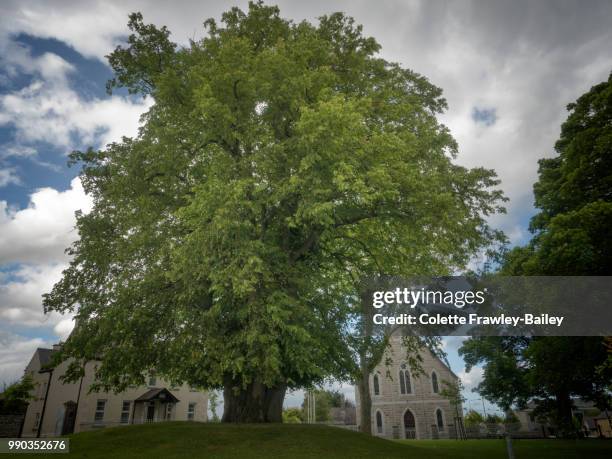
<point x="379" y="422"/>
<point x="404" y="377"/>
<point x="169" y="411"/>
<point x="191" y="412"/>
<point x="376" y="385"/>
<point x="125" y="412"/>
<point x="434" y="382"/>
<point x="192" y="389"/>
<point x="152" y="381"/>
<point x="439" y="419"/>
<point x="99" y="416"/>
<point x="36" y="420"/>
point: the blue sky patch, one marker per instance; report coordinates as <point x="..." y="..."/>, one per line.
<point x="484" y="116"/>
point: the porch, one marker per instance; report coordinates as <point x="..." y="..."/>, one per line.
<point x="155" y="405"/>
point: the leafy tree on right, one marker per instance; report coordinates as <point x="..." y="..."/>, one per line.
<point x="571" y="237"/>
<point x="574" y="195"/>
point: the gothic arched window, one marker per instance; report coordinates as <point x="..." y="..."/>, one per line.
<point x="439" y="419"/>
<point x="434" y="382"/>
<point x="405" y="383"/>
<point x="379" y="422"/>
<point x="376" y="385"/>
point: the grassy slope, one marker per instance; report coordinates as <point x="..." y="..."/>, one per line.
<point x="194" y="440"/>
<point x="523" y="449"/>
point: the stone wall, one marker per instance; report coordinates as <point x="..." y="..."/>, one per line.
<point x="10" y="425"/>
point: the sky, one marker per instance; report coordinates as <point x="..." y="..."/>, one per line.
<point x="508" y="69"/>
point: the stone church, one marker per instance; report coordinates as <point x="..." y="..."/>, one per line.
<point x="407" y="406"/>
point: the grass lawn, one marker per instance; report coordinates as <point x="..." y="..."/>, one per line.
<point x="523" y="449"/>
<point x="195" y="440"/>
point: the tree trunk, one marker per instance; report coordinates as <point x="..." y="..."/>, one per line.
<point x="365" y="401"/>
<point x="365" y="364"/>
<point x="257" y="403"/>
<point x="564" y="415"/>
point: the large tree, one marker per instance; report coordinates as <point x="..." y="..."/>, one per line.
<point x="276" y="160"/>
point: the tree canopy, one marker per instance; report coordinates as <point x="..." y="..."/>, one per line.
<point x="278" y="158"/>
<point x="571" y="237"/>
<point x="15" y="398"/>
<point x="550" y="371"/>
<point x="574" y="196"/>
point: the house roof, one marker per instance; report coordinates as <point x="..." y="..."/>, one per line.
<point x="45" y="357"/>
<point x="162" y="394"/>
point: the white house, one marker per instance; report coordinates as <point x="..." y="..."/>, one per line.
<point x="61" y="408"/>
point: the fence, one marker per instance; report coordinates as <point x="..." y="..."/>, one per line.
<point x="495" y="430"/>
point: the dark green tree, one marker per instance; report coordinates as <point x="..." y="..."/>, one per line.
<point x="505" y="370"/>
<point x="571" y="237"/>
<point x="277" y="159"/>
<point x="551" y="371"/>
<point x="563" y="368"/>
<point x="16" y="397"/>
<point x="574" y="197"/>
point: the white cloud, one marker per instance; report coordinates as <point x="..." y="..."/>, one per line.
<point x="525" y="60"/>
<point x="41" y="232"/>
<point x="91" y="28"/>
<point x="35" y="238"/>
<point x="472" y="379"/>
<point x="63" y="328"/>
<point x="452" y="343"/>
<point x="50" y="111"/>
<point x="21" y="297"/>
<point x="9" y="176"/>
<point x="17" y="151"/>
<point x="15" y="353"/>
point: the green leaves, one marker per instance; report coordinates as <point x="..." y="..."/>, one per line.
<point x="150" y="54"/>
<point x="573" y="195"/>
<point x="277" y="161"/>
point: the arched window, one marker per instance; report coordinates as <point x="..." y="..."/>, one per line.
<point x="404" y="377"/>
<point x="376" y="385"/>
<point x="409" y="425"/>
<point x="434" y="382"/>
<point x="379" y="422"/>
<point x="439" y="419"/>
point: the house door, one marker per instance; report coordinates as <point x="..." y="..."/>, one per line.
<point x="409" y="425"/>
<point x="69" y="418"/>
<point x="151" y="412"/>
